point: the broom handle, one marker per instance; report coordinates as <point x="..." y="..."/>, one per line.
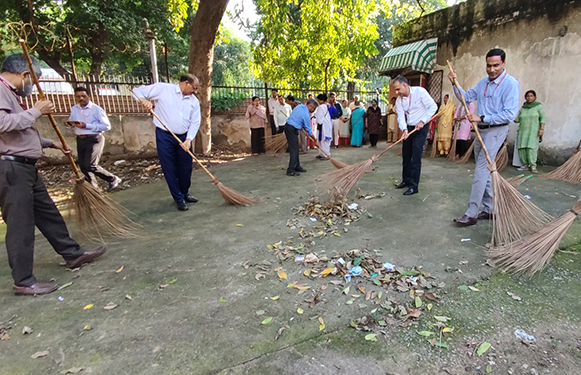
<point x="312" y="138"/>
<point x="474" y="125"/>
<point x="50" y="116"/>
<point x="395" y="143"/>
<point x="179" y="141"/>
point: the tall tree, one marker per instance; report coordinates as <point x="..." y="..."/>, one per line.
<point x="309" y="42"/>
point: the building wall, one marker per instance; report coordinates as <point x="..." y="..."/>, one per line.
<point x="542" y="41"/>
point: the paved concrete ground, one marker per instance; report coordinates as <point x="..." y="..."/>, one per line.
<point x="193" y="305"/>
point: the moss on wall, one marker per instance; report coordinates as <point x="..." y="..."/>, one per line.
<point x="457" y="24"/>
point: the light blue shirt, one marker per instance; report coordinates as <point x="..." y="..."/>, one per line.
<point x="417" y="107"/>
<point x="92" y="115"/>
<point x="179" y="112"/>
<point x="300" y="118"/>
<point x="498" y="100"/>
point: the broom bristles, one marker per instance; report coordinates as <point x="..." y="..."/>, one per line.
<point x="570" y="171"/>
<point x="502" y="158"/>
<point x="434" y="149"/>
<point x="338" y="164"/>
<point x="232" y="196"/>
<point x="514" y="215"/>
<point x="98" y="216"/>
<point x="518" y="180"/>
<point x="340" y="182"/>
<point x="532" y="253"/>
<point x="467" y="155"/>
<point x="276" y="144"/>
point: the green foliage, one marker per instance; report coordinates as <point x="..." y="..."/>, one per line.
<point x="300" y="37"/>
<point x="232" y="62"/>
<point x="225" y="101"/>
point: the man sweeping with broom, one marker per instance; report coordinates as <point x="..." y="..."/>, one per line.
<point x="179" y="109"/>
<point x="299" y="120"/>
<point x="498" y="104"/>
<point x="414" y="107"/>
<point x="24" y="199"/>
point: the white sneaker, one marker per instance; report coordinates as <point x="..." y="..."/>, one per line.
<point x="523" y="168"/>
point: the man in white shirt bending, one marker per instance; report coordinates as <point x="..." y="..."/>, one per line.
<point x="414" y="107"/>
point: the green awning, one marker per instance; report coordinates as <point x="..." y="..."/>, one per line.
<point x="418" y="56"/>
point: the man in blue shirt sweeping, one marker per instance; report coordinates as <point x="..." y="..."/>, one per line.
<point x="300" y="118"/>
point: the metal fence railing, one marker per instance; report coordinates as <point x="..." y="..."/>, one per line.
<point x="113" y="94"/>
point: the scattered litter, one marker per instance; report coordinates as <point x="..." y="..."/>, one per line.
<point x="26" y="330"/>
<point x="465" y="240"/>
<point x="299" y="258"/>
<point x="60" y="299"/>
<point x="311" y="258"/>
<point x="389" y="266"/>
<point x="118" y="162"/>
<point x="522" y="335"/>
<point x="313" y="219"/>
<point x="356" y="270"/>
<point x="353" y="206"/>
<point x="527" y="196"/>
<point x="341" y="260"/>
<point x="348" y="277"/>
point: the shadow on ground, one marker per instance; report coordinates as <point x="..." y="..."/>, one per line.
<point x="189" y="301"/>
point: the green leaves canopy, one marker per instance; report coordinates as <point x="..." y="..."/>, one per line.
<point x="300" y="37"/>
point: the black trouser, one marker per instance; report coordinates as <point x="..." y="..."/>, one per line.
<point x="373" y="138"/>
<point x="292" y="138"/>
<point x="89" y="150"/>
<point x="412" y="150"/>
<point x="257" y="141"/>
<point x="25" y="204"/>
<point x="272" y="124"/>
<point x="461" y="147"/>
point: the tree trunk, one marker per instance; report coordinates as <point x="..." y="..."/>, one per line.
<point x="203" y="35"/>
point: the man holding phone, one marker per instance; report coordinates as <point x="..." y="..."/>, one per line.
<point x="89" y="121"/>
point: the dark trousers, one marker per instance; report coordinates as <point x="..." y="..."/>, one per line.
<point x="272" y="124"/>
<point x="461" y="147"/>
<point x="373" y="138"/>
<point x="412" y="149"/>
<point x="292" y="138"/>
<point x="176" y="164"/>
<point x="25" y="204"/>
<point x="89" y="152"/>
<point x="257" y="141"/>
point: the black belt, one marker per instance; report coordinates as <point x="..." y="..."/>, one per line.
<point x="488" y="126"/>
<point x="18" y="159"/>
<point x="87" y="135"/>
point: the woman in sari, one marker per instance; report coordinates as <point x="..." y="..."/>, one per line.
<point x="531" y="120"/>
<point x="357" y="124"/>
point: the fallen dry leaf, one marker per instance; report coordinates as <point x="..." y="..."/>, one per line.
<point x="110" y="306"/>
<point x="26" y="330"/>
<point x="415" y="313"/>
<point x="119" y="270"/>
<point x="282" y="275"/>
<point x="44" y="353"/>
<point x="88" y="307"/>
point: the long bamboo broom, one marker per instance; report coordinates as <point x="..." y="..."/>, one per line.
<point x="230" y="195"/>
<point x="467" y="154"/>
<point x="532" y="253"/>
<point x="570" y="171"/>
<point x="514" y="215"/>
<point x="340" y="182"/>
<point x="501" y="159"/>
<point x="434" y="149"/>
<point x="277" y="143"/>
<point x="518" y="180"/>
<point x="452" y="152"/>
<point x="97" y="216"/>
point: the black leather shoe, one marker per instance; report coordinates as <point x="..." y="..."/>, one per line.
<point x="36" y="289"/>
<point x="113" y="184"/>
<point x="182" y="206"/>
<point x="465" y="221"/>
<point x="190" y="199"/>
<point x="87" y="257"/>
<point x="484" y="216"/>
<point x="293" y="174"/>
<point x="301" y="169"/>
<point x="411" y="191"/>
<point x="401" y="185"/>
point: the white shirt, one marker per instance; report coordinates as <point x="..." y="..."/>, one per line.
<point x="323" y="117"/>
<point x="179" y="112"/>
<point x="281" y="113"/>
<point x="417" y="106"/>
<point x="92" y="115"/>
<point x="272" y="103"/>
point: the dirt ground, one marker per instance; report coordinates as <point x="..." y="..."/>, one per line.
<point x="261" y="290"/>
